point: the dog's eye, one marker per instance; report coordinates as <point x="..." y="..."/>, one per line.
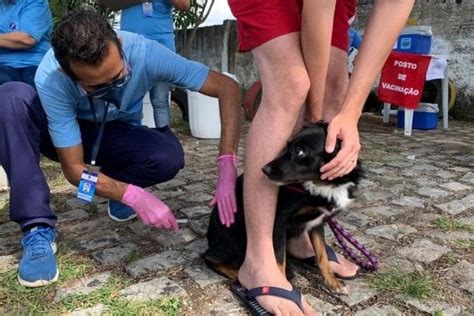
<point x="299" y="152"/>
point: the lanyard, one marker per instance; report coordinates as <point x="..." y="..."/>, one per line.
<point x="95" y="148"/>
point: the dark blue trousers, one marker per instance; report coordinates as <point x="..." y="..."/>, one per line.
<point x="132" y="154"/>
<point x="27" y="74"/>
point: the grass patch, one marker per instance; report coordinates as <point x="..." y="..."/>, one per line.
<point x="451" y="258"/>
<point x="415" y="284"/>
<point x="447" y="223"/>
<point x="438" y="313"/>
<point x="48" y="164"/>
<point x="115" y="305"/>
<point x="133" y="256"/>
<point x="72" y="267"/>
<point x="4" y="213"/>
<point x="57" y="181"/>
<point x="465" y="244"/>
<point x="16" y="299"/>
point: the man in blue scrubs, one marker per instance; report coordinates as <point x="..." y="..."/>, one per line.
<point x="25" y="27"/>
<point x="154" y="20"/>
<point x="91" y="87"/>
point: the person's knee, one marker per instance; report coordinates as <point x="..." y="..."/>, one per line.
<point x="300" y="86"/>
<point x="337" y="82"/>
<point x="291" y="94"/>
<point x="16" y="98"/>
<point x="166" y="164"/>
<point x="337" y="78"/>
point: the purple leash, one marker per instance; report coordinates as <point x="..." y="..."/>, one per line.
<point x="340" y="233"/>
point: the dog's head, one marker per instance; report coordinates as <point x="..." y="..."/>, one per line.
<point x="302" y="158"/>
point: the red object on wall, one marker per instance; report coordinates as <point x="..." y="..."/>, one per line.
<point x="402" y="80"/>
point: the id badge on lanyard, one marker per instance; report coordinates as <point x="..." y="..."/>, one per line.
<point x="86" y="188"/>
<point x="147" y="7"/>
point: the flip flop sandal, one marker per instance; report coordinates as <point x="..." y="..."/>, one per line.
<point x="248" y="296"/>
<point x="311" y="261"/>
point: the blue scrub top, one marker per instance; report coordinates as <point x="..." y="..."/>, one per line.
<point x="158" y="26"/>
<point x="150" y="63"/>
<point x="32" y="17"/>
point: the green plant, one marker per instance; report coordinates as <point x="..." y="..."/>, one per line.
<point x="59" y="8"/>
<point x="108" y="295"/>
<point x="189" y="21"/>
<point x="465" y="244"/>
<point x="18" y="300"/>
<point x="416" y="284"/>
<point x="451" y="258"/>
<point x="448" y="223"/>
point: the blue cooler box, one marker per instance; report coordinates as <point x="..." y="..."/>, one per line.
<point x="415" y="39"/>
<point x="424" y="117"/>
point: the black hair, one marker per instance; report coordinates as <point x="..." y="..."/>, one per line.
<point x="82" y="36"/>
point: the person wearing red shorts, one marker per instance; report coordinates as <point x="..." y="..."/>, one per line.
<point x="300" y="47"/>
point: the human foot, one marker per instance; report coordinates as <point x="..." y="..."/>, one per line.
<point x="301" y="248"/>
<point x="253" y="276"/>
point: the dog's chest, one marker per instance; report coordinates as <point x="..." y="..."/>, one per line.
<point x="336" y="195"/>
<point x="321" y="215"/>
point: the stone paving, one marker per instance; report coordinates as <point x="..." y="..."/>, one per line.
<point x="413" y="184"/>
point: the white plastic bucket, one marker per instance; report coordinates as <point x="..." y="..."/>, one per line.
<point x="204" y="118"/>
<point x="3" y="179"/>
<point x="148" y="119"/>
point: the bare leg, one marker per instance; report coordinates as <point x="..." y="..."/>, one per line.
<point x="285" y="85"/>
<point x="301" y="248"/>
<point x="337" y="82"/>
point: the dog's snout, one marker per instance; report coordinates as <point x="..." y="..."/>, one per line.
<point x="267" y="170"/>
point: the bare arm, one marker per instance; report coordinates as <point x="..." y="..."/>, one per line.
<point x="17" y="40"/>
<point x="118" y="4"/>
<point x="316" y="26"/>
<point x="181" y="5"/>
<point x="385" y="23"/>
<point x="228" y="92"/>
<point x="72" y="164"/>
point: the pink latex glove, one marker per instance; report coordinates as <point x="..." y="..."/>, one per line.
<point x="149" y="208"/>
<point x="225" y="192"/>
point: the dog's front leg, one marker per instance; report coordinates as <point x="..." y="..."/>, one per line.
<point x="316" y="235"/>
<point x="279" y="245"/>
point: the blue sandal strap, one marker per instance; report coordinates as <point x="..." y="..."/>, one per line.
<point x="331" y="254"/>
<point x="294" y="295"/>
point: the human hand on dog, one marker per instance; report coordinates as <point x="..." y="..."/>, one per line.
<point x="344" y="128"/>
<point x="149" y="208"/>
<point x="225" y="192"/>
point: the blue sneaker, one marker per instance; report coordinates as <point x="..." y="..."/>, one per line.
<point x="120" y="212"/>
<point x="38" y="265"/>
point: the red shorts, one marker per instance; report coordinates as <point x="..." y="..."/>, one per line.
<point x="259" y="21"/>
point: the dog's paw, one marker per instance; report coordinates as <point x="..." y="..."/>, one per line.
<point x="336" y="286"/>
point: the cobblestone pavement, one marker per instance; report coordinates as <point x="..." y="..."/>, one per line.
<point x="415" y="210"/>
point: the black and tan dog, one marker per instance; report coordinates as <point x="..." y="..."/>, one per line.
<point x="304" y="203"/>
